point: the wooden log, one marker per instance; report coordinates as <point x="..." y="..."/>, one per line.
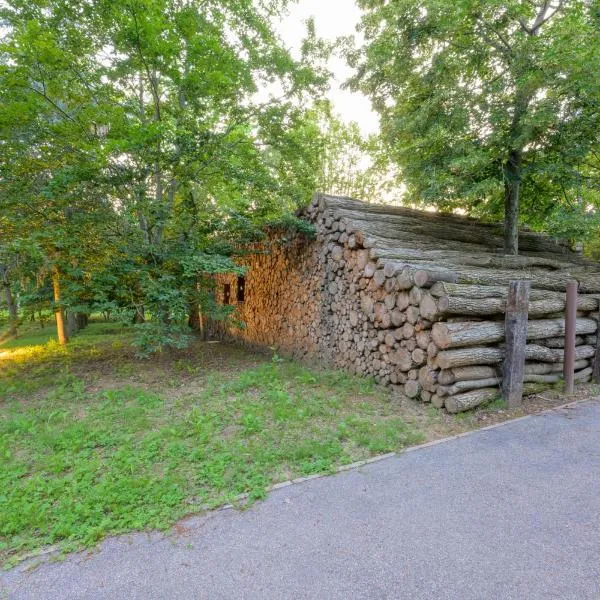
<point x="448" y="377"/>
<point x="415" y="296"/>
<point x="487" y="355"/>
<point x="432" y="350"/>
<point x="418" y="356"/>
<point x="423" y="338"/>
<point x="405" y="279"/>
<point x="437" y="401"/>
<point x="584" y="375"/>
<point x="461" y="305"/>
<point x="428" y="378"/>
<point x="549" y="378"/>
<point x="475" y="257"/>
<point x="559" y="342"/>
<point x="473" y="333"/>
<point x="379" y="277"/>
<point x="585" y="302"/>
<point x="516" y="329"/>
<point x="426" y="277"/>
<point x="546" y="368"/>
<point x="394" y="221"/>
<point x="369" y="270"/>
<point x="468" y="400"/>
<point x="461" y="357"/>
<point x="401" y="358"/>
<point x="412" y="388"/>
<point x="429" y="308"/>
<point x="536" y="352"/>
<point x="463" y="386"/>
<point x="402" y="300"/>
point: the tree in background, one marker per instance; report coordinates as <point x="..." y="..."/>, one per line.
<point x="144" y="140"/>
<point x="353" y="164"/>
<point x="485" y="105"/>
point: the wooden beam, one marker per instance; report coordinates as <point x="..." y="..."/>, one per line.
<point x="596" y="365"/>
<point x="570" y="321"/>
<point x="517" y="305"/>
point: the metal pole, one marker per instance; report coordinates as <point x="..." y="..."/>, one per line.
<point x="570" y="325"/>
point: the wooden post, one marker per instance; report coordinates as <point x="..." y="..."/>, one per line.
<point x="570" y="322"/>
<point x="515" y="324"/>
<point x="596" y="371"/>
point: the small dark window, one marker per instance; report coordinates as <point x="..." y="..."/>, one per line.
<point x="241" y="289"/>
<point x="227" y="293"/>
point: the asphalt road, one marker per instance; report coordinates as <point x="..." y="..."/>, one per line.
<point x="510" y="512"/>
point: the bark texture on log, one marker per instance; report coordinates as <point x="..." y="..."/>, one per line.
<point x="471" y="333"/>
<point x="412" y="299"/>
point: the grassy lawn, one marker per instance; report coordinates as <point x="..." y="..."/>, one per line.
<point x="94" y="442"/>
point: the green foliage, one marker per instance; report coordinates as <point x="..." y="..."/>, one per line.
<point x="139" y="152"/>
<point x="477" y="97"/>
<point x="293" y="224"/>
<point x="352" y="164"/>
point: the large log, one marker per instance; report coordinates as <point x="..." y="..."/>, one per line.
<point x="477" y="355"/>
<point x="468" y="400"/>
<point x="394" y="221"/>
<point x="559" y="342"/>
<point x="542" y="368"/>
<point x="423" y="274"/>
<point x="579" y="376"/>
<point x="464" y="305"/>
<point x="585" y="302"/>
<point x="448" y="377"/>
<point x="469" y="333"/>
<point x="536" y="352"/>
<point x="462" y="256"/>
<point x="464" y="386"/>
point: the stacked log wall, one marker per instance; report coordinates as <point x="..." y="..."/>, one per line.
<point x="436" y="331"/>
<point x="403" y="312"/>
<point x="282" y="297"/>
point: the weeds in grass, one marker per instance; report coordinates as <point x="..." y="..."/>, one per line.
<point x="77" y="465"/>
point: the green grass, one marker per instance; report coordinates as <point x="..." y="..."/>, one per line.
<point x="94" y="442"/>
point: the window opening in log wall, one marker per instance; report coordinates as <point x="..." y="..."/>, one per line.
<point x="241" y="288"/>
<point x="226" y="293"/>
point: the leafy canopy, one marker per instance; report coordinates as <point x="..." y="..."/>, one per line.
<point x="467" y="88"/>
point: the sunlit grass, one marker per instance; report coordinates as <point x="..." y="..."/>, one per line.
<point x="94" y="442"/>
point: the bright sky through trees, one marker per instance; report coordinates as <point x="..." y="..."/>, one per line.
<point x="333" y="18"/>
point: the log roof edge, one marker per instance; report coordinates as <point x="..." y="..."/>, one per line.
<point x="464" y="245"/>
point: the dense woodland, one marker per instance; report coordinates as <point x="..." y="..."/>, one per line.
<point x="144" y="141"/>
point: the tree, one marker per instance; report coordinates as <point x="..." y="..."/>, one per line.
<point x="352" y="164"/>
<point x="140" y="150"/>
<point x="485" y="104"/>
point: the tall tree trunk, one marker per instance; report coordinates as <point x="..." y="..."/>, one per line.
<point x="13" y="317"/>
<point x="512" y="188"/>
<point x="61" y="329"/>
<point x="194" y="321"/>
<point x="140" y="315"/>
